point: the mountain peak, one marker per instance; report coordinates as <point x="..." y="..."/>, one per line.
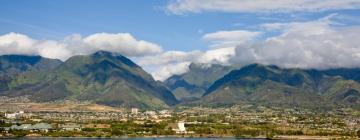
<point x="112" y="55"/>
<point x="102" y="77"/>
<point x="105" y="53"/>
<point x="199" y="66"/>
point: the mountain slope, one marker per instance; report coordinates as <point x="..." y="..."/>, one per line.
<point x="271" y="85"/>
<point x="102" y="77"/>
<point x="193" y="84"/>
<point x="13" y="65"/>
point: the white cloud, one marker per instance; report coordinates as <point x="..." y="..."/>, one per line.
<point x="123" y="43"/>
<point x="14" y="43"/>
<point x="168" y="57"/>
<point x="216" y="56"/>
<point x="319" y="44"/>
<point x="53" y="49"/>
<point x="169" y="63"/>
<point x="167" y="70"/>
<point x="315" y="44"/>
<point x="162" y="66"/>
<point x="223" y="44"/>
<point x="259" y="6"/>
<point x="230" y="38"/>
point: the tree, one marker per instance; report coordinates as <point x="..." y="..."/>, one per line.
<point x="117" y="132"/>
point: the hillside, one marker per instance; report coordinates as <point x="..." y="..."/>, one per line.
<point x="271" y="85"/>
<point x="193" y="84"/>
<point x="14" y="65"/>
<point x="103" y="77"/>
<point x="114" y="80"/>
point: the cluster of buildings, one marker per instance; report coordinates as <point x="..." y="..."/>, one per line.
<point x="292" y="118"/>
<point x="45" y="127"/>
<point x="83" y="117"/>
<point x="15" y="115"/>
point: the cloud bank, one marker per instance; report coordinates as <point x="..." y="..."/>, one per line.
<point x="161" y="64"/>
<point x="259" y="6"/>
<point x="315" y="44"/>
<point x="169" y="63"/>
<point x="124" y="43"/>
<point x="318" y="44"/>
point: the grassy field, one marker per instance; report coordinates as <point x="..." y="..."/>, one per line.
<point x="59" y="107"/>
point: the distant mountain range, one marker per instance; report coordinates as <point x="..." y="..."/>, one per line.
<point x="103" y="77"/>
<point x="274" y="86"/>
<point x="267" y="85"/>
<point x="112" y="79"/>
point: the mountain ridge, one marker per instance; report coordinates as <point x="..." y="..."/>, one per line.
<point x="103" y="77"/>
<point x="193" y="83"/>
<point x="272" y="85"/>
<point x="112" y="79"/>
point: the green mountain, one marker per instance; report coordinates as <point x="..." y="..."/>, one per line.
<point x="103" y="77"/>
<point x="112" y="79"/>
<point x="274" y="86"/>
<point x="193" y="84"/>
<point x="13" y="65"/>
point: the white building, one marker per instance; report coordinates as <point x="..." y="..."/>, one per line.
<point x="179" y="128"/>
<point x="134" y="110"/>
<point x="14" y="115"/>
<point x="150" y="113"/>
<point x="10" y="115"/>
<point x="164" y="113"/>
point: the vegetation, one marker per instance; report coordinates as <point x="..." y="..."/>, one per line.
<point x="274" y="86"/>
<point x="193" y="84"/>
<point x="103" y="77"/>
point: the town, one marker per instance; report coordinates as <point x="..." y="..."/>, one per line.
<point x="237" y="121"/>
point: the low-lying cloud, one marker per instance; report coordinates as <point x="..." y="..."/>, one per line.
<point x="315" y="44"/>
<point x="124" y="43"/>
<point x="318" y="44"/>
<point x="169" y="63"/>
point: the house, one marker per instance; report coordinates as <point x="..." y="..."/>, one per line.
<point x="14" y="115"/>
<point x="150" y="113"/>
<point x="101" y="126"/>
<point x="70" y="127"/>
<point x="45" y="127"/>
<point x="164" y="113"/>
<point x="21" y="127"/>
<point x="179" y="127"/>
<point x="134" y="110"/>
<point x="10" y="115"/>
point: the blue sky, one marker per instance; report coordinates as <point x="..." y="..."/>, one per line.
<point x="147" y="20"/>
<point x="43" y="19"/>
<point x="178" y="32"/>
